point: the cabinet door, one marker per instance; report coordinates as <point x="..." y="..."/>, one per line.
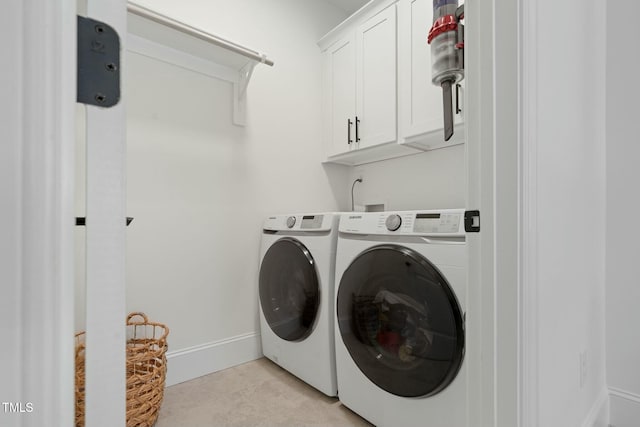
<point x="420" y="101"/>
<point x="376" y="79"/>
<point x="341" y="76"/>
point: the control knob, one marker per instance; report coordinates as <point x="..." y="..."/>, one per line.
<point x="393" y="222"/>
<point x="291" y="221"/>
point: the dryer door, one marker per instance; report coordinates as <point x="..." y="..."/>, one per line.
<point x="400" y="321"/>
<point x="289" y="289"/>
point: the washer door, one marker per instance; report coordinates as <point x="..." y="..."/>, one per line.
<point x="400" y="321"/>
<point x="289" y="289"/>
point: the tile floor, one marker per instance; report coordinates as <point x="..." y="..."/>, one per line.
<point x="258" y="393"/>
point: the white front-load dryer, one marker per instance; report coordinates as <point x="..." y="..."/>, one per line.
<point x="296" y="290"/>
<point x="401" y="288"/>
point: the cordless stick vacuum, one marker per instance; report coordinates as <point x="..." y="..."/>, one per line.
<point x="446" y="38"/>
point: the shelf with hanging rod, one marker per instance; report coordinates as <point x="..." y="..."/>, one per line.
<point x="161" y="37"/>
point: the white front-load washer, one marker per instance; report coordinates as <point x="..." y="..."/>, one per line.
<point x="296" y="289"/>
<point x="401" y="288"/>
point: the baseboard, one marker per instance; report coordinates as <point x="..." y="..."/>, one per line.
<point x="599" y="414"/>
<point x="193" y="362"/>
<point x="625" y="408"/>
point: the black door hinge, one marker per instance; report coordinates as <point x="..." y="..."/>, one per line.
<point x="472" y="221"/>
<point x="98" y="63"/>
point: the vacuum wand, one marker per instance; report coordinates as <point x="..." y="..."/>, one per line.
<point x="446" y="38"/>
<point x="447" y="105"/>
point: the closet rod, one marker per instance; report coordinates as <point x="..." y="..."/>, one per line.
<point x="187" y="29"/>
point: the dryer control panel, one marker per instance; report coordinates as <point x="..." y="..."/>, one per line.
<point x="447" y="222"/>
<point x="301" y="222"/>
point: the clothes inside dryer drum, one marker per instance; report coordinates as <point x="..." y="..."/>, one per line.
<point x="289" y="289"/>
<point x="401" y="321"/>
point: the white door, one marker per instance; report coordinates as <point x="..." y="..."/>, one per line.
<point x="105" y="245"/>
<point x="376" y="79"/>
<point x="342" y="94"/>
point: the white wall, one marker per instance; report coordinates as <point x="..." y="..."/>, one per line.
<point x="431" y="180"/>
<point x="199" y="187"/>
<point x="571" y="212"/>
<point x="623" y="203"/>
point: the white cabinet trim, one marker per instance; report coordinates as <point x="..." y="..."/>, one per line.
<point x="365" y="12"/>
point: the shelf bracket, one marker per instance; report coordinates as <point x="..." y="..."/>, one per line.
<point x="155" y="34"/>
<point x="245" y="76"/>
<point x="240" y="94"/>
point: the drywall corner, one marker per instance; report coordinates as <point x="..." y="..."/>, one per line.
<point x="599" y="414"/>
<point x="624" y="408"/>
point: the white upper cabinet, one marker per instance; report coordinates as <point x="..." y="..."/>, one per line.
<point x="360" y="87"/>
<point x="341" y="85"/>
<point x="419" y="100"/>
<point x="379" y="101"/>
<point x="376" y="45"/>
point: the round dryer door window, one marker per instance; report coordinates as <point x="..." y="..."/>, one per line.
<point x="289" y="289"/>
<point x="401" y="321"/>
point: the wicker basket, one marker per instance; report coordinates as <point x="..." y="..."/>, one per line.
<point x="146" y="366"/>
<point x="80" y="379"/>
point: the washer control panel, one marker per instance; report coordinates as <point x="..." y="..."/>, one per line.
<point x="436" y="223"/>
<point x="445" y="222"/>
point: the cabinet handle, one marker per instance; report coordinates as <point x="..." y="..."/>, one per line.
<point x="458" y="109"/>
<point x="357" y="128"/>
<point x="349" y="123"/>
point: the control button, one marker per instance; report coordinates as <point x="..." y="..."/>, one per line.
<point x="393" y="222"/>
<point x="291" y="221"/>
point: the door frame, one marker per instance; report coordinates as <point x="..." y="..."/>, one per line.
<point x="502" y="313"/>
<point x="38" y="191"/>
<point x="37" y="223"/>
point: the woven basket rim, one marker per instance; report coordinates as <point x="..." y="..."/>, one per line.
<point x="145" y="388"/>
<point x="146" y="321"/>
